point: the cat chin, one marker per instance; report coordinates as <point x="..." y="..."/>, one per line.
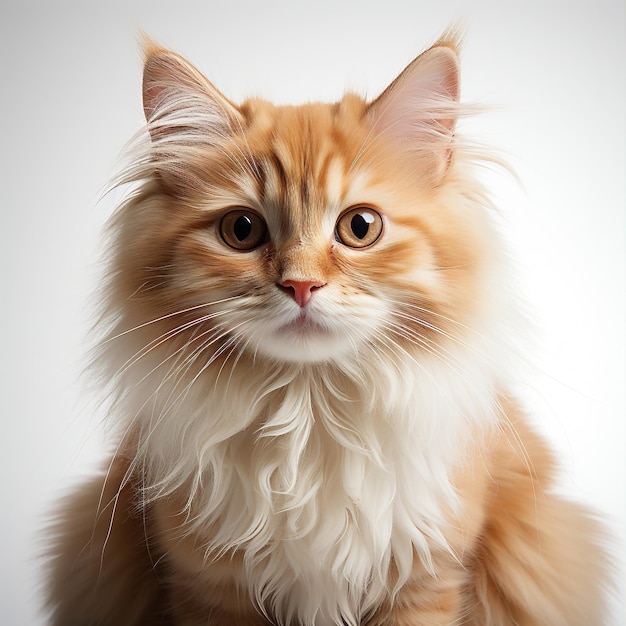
<point x="298" y="347"/>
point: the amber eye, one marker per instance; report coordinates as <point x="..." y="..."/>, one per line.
<point x="359" y="227"/>
<point x="243" y="229"/>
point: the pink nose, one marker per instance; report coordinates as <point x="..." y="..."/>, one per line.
<point x="300" y="290"/>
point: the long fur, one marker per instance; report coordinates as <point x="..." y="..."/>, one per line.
<point x="357" y="462"/>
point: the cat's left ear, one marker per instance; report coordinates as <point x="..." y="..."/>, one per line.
<point x="419" y="110"/>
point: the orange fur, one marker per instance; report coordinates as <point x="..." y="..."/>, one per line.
<point x="348" y="457"/>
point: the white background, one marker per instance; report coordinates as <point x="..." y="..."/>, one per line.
<point x="70" y="98"/>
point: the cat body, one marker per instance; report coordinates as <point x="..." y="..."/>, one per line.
<point x="309" y="326"/>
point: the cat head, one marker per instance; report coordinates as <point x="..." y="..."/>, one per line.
<point x="308" y="234"/>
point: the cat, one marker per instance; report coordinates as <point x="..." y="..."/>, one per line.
<point x="310" y="331"/>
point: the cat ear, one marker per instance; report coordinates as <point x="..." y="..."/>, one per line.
<point x="181" y="106"/>
<point x="418" y="111"/>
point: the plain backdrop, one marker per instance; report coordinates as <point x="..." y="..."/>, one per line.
<point x="554" y="74"/>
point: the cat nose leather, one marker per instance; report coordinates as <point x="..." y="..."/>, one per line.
<point x="300" y="290"/>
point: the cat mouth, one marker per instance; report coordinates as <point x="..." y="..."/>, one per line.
<point x="302" y="339"/>
<point x="304" y="325"/>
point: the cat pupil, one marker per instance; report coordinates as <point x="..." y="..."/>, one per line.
<point x="242" y="227"/>
<point x="360" y="224"/>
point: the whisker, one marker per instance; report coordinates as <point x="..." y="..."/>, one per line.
<point x="399" y="305"/>
<point x="178" y="369"/>
<point x="444" y="333"/>
<point x="155" y="343"/>
<point x="167" y="316"/>
<point x="231" y="341"/>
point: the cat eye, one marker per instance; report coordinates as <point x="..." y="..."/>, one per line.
<point x="243" y="229"/>
<point x="359" y="227"/>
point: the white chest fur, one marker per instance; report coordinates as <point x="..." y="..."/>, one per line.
<point x="319" y="477"/>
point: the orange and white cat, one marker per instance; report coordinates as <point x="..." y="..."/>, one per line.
<point x="310" y="332"/>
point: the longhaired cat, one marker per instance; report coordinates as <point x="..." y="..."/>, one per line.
<point x="309" y="336"/>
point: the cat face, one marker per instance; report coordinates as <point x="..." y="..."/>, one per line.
<point x="299" y="239"/>
<point x="303" y="234"/>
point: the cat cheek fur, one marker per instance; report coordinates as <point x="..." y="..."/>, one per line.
<point x="357" y="461"/>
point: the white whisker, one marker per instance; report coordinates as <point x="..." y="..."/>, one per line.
<point x="164" y="317"/>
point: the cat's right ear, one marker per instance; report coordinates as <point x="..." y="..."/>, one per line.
<point x="180" y="105"/>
